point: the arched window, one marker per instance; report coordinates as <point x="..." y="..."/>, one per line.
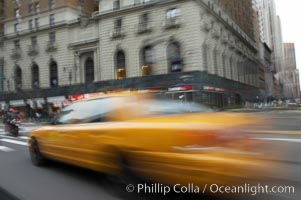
<point x="18" y="77"/>
<point x="174" y="57"/>
<point x="147" y="60"/>
<point x="89" y="70"/>
<point x="120" y="65"/>
<point x="35" y="76"/>
<point x="53" y="74"/>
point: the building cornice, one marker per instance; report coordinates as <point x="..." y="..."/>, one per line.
<point x="84" y="42"/>
<point x="35" y="15"/>
<point x="132" y="8"/>
<point x="45" y="28"/>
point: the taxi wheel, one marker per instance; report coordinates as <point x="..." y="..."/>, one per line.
<point x="128" y="175"/>
<point x="36" y="157"/>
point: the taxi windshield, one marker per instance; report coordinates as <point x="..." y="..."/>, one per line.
<point x="123" y="108"/>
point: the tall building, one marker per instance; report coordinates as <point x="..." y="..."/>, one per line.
<point x="242" y="13"/>
<point x="2" y="15"/>
<point x="57" y="51"/>
<point x="291" y="73"/>
<point x="271" y="35"/>
<point x="261" y="53"/>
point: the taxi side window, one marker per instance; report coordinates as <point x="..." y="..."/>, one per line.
<point x="91" y="111"/>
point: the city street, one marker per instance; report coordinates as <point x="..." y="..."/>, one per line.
<point x="149" y="99"/>
<point x="59" y="181"/>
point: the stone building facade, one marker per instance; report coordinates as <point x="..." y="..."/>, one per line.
<point x="2" y="15"/>
<point x="199" y="31"/>
<point x="129" y="40"/>
<point x="36" y="36"/>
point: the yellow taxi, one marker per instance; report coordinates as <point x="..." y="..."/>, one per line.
<point x="159" y="140"/>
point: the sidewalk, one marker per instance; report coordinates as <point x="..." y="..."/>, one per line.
<point x="262" y="109"/>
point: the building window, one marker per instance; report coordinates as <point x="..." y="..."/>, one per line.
<point x="120" y="65"/>
<point x="81" y="4"/>
<point x="17" y="13"/>
<point x="31" y="9"/>
<point x="17" y="44"/>
<point x="18" y="77"/>
<point x="51" y="20"/>
<point x="117" y="32"/>
<point x="174" y="57"/>
<point x="118" y="24"/>
<point x="53" y="74"/>
<point x="30" y="24"/>
<point x="89" y="70"/>
<point x="144" y="18"/>
<point x="35" y="76"/>
<point x="173" y="14"/>
<point x="148" y="60"/>
<point x="116" y="5"/>
<point x="142" y="1"/>
<point x="51" y="4"/>
<point x="36" y="22"/>
<point x="144" y="23"/>
<point x="17" y="27"/>
<point x="34" y="41"/>
<point x="52" y="38"/>
<point x="37" y="8"/>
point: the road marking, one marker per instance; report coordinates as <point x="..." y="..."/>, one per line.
<point x="7" y="136"/>
<point x="24" y="137"/>
<point x="281" y="139"/>
<point x="284" y="132"/>
<point x="14" y="142"/>
<point x="6" y="149"/>
<point x="11" y="137"/>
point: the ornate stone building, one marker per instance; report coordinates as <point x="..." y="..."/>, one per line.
<point x="129" y="43"/>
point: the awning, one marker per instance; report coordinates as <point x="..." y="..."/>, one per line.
<point x="56" y="99"/>
<point x="36" y="102"/>
<point x="17" y="103"/>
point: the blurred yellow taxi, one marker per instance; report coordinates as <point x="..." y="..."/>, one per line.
<point x="157" y="139"/>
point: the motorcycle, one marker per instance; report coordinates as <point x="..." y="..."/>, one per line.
<point x="12" y="127"/>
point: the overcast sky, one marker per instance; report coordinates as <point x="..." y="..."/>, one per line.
<point x="290" y="15"/>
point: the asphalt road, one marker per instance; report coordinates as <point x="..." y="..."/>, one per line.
<point x="18" y="177"/>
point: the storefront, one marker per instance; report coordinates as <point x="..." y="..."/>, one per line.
<point x="184" y="93"/>
<point x="197" y="86"/>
